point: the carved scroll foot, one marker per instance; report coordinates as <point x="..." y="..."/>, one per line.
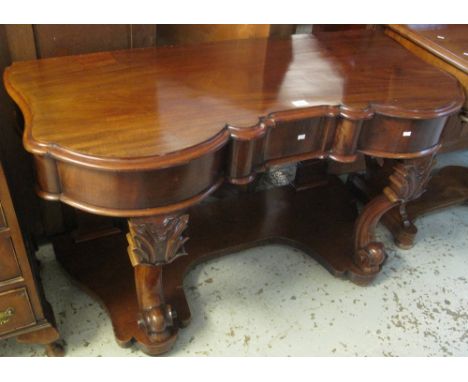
<point x="371" y="257"/>
<point x="153" y="242"/>
<point x="368" y="253"/>
<point x="156" y="317"/>
<point x="407" y="182"/>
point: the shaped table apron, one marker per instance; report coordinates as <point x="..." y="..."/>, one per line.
<point x="127" y="190"/>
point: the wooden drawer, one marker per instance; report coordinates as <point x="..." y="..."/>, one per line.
<point x="292" y="138"/>
<point x="9" y="267"/>
<point x="409" y="136"/>
<point x="15" y="311"/>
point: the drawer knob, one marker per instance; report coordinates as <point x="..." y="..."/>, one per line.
<point x="6" y="315"/>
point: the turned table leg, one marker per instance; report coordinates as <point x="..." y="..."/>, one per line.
<point x="406" y="182"/>
<point x="155" y="241"/>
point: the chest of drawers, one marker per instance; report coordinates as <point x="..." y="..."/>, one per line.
<point x="24" y="311"/>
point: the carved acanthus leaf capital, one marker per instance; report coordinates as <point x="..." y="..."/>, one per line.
<point x="156" y="240"/>
<point x="409" y="179"/>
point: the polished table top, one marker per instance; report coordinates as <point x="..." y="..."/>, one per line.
<point x="150" y="102"/>
<point x="447" y="41"/>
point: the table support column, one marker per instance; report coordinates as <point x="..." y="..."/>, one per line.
<point x="155" y="241"/>
<point x="407" y="182"/>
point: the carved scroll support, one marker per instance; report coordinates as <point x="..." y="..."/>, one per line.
<point x="407" y="182"/>
<point x="155" y="241"/>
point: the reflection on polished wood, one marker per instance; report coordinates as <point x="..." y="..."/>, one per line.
<point x="150" y="102"/>
<point x="147" y="134"/>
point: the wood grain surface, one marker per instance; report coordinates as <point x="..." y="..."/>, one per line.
<point x="151" y="102"/>
<point x="446" y="41"/>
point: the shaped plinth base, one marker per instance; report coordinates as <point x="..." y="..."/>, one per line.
<point x="319" y="221"/>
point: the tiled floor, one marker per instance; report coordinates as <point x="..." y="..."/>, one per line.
<point x="274" y="300"/>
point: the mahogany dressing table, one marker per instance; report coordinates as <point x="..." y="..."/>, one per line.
<point x="149" y="134"/>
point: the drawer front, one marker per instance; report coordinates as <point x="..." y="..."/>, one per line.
<point x="408" y="136"/>
<point x="15" y="311"/>
<point x="294" y="138"/>
<point x="9" y="267"/>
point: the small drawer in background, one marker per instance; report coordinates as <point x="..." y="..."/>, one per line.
<point x="15" y="311"/>
<point x="9" y="267"/>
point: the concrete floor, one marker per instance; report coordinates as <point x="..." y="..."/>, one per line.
<point x="276" y="301"/>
